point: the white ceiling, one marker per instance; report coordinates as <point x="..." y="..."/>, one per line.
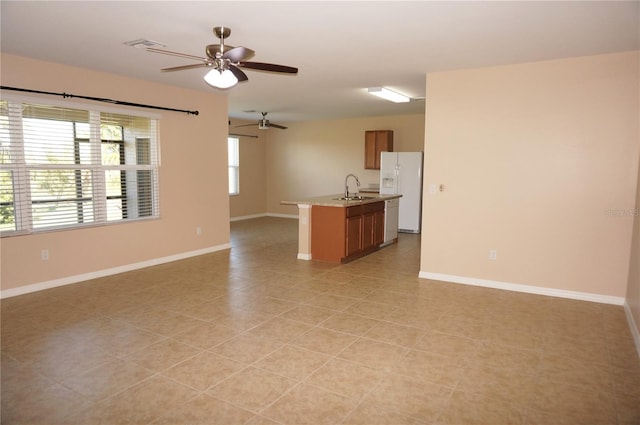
<point x="340" y="48"/>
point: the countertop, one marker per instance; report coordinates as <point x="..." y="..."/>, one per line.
<point x="333" y="201"/>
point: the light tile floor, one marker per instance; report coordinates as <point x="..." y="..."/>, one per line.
<point x="254" y="336"/>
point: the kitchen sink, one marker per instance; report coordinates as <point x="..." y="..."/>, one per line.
<point x="355" y="198"/>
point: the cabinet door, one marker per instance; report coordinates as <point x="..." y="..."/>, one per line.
<point x="376" y="141"/>
<point x="378" y="232"/>
<point x="384" y="143"/>
<point x="368" y="231"/>
<point x="370" y="151"/>
<point x="354" y="235"/>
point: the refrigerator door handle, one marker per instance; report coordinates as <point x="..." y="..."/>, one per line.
<point x="396" y="180"/>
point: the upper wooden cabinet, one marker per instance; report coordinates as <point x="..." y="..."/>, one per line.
<point x="376" y="141"/>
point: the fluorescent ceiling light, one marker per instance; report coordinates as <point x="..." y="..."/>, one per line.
<point x="388" y="94"/>
<point x="221" y="80"/>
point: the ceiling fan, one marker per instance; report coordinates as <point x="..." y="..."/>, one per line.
<point x="225" y="62"/>
<point x="264" y="123"/>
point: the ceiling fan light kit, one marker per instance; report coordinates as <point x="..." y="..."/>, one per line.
<point x="224" y="62"/>
<point x="220" y="79"/>
<point x="387" y="94"/>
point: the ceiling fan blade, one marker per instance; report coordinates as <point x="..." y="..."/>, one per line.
<point x="183" y="67"/>
<point x="180" y="55"/>
<point x="238" y="54"/>
<point x="282" y="127"/>
<point x="241" y="76"/>
<point x="246" y="125"/>
<point x="270" y="67"/>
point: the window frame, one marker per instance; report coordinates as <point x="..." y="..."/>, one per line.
<point x="23" y="201"/>
<point x="234" y="169"/>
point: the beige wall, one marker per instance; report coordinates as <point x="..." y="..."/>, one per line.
<point x="193" y="181"/>
<point x="252" y="199"/>
<point x="312" y="158"/>
<point x="532" y="157"/>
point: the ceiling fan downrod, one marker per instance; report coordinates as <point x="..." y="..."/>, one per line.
<point x="221" y="33"/>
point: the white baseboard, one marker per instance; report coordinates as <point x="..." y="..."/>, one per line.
<point x="304" y="256"/>
<point x="561" y="293"/>
<point x="21" y="290"/>
<point x="633" y="326"/>
<point x="295" y="216"/>
<point x="249" y="217"/>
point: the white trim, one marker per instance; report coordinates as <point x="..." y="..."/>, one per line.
<point x="551" y="292"/>
<point x="633" y="326"/>
<point x="249" y="217"/>
<point x="294" y="216"/>
<point x="304" y="256"/>
<point x="21" y="290"/>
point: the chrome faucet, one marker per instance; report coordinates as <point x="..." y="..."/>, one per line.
<point x="346" y="184"/>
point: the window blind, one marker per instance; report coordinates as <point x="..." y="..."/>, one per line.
<point x="64" y="167"/>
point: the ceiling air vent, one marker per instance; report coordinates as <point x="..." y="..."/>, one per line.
<point x="143" y="43"/>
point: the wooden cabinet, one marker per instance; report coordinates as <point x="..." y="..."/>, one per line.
<point x="353" y="243"/>
<point x="368" y="224"/>
<point x="342" y="234"/>
<point x="376" y="141"/>
<point x="378" y="228"/>
<point x="372" y="225"/>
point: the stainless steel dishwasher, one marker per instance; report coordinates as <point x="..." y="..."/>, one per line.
<point x="391" y="207"/>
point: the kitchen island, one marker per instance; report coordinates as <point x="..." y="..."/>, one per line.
<point x="336" y="230"/>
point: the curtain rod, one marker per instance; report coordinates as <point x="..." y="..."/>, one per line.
<point x="243" y="135"/>
<point x="100" y="99"/>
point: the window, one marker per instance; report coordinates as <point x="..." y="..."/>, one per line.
<point x="234" y="166"/>
<point x="63" y="167"/>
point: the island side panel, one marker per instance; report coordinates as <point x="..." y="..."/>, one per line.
<point x="328" y="233"/>
<point x="304" y="232"/>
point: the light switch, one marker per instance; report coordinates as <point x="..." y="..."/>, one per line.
<point x="433" y="188"/>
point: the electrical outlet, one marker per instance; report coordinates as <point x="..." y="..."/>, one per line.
<point x="44" y="254"/>
<point x="198" y="230"/>
<point x="493" y="254"/>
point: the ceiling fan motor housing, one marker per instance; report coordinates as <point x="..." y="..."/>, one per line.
<point x="263" y="124"/>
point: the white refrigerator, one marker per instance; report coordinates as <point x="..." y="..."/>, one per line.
<point x="401" y="174"/>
